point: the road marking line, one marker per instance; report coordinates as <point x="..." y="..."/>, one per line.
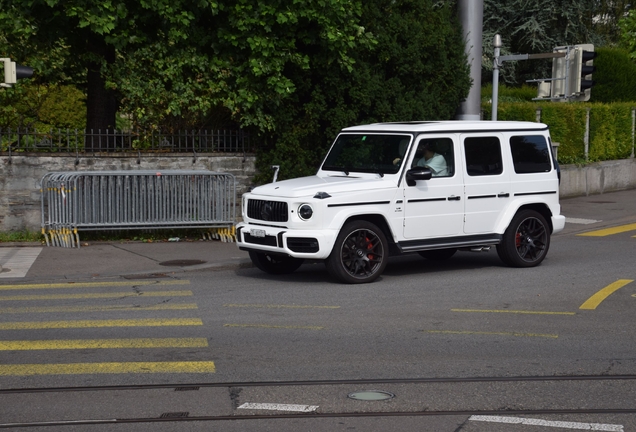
<point x="609" y="231"/>
<point x="597" y="298"/>
<point x="580" y="221"/>
<point x="18" y="260"/>
<point x="93" y="284"/>
<point x="97" y="295"/>
<point x="273" y="326"/>
<point x="551" y="336"/>
<point x="539" y="422"/>
<point x="279" y="407"/>
<point x="103" y="344"/>
<point x="54" y="309"/>
<point x="150" y="322"/>
<point x="107" y="368"/>
<point x="272" y="306"/>
<point x="513" y="311"/>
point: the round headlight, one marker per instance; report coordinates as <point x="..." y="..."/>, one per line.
<point x="305" y="211"/>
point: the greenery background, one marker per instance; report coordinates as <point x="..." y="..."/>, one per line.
<point x="294" y="73"/>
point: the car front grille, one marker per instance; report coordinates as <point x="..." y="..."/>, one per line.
<point x="272" y="211"/>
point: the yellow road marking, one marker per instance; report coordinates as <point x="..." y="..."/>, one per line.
<point x="107" y="368"/>
<point x="150" y="322"/>
<point x="53" y="309"/>
<point x="93" y="284"/>
<point x="272" y="306"/>
<point x="513" y="311"/>
<point x="273" y="326"/>
<point x="609" y="231"/>
<point x="597" y="298"/>
<point x="551" y="336"/>
<point x="97" y="295"/>
<point x="103" y="344"/>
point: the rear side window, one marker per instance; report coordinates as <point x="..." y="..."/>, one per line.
<point x="483" y="156"/>
<point x="530" y="154"/>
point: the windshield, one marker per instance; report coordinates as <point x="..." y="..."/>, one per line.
<point x="368" y="153"/>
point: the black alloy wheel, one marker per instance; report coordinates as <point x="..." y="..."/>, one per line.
<point x="526" y="240"/>
<point x="360" y="253"/>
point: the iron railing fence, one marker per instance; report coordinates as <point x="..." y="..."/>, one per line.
<point x="90" y="141"/>
<point x="123" y="200"/>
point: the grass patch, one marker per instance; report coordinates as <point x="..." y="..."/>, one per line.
<point x="21" y="236"/>
<point x="147" y="236"/>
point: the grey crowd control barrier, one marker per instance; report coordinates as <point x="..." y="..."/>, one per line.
<point x="122" y="200"/>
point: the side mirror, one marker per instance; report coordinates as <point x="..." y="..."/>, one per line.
<point x="418" y="173"/>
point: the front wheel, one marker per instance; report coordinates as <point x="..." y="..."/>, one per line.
<point x="526" y="240"/>
<point x="360" y="253"/>
<point x="275" y="264"/>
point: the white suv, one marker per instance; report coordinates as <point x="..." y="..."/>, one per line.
<point x="426" y="187"/>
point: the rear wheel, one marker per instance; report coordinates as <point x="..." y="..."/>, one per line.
<point x="526" y="240"/>
<point x="360" y="253"/>
<point x="275" y="264"/>
<point x="438" y="255"/>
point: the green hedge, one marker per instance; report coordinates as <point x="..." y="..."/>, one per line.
<point x="610" y="127"/>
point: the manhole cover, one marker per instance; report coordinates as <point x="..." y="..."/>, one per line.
<point x="181" y="263"/>
<point x="371" y="395"/>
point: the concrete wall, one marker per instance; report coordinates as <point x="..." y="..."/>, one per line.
<point x="597" y="178"/>
<point x="20" y="205"/>
<point x="20" y="177"/>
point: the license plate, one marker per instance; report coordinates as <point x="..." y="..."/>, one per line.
<point x="257" y="233"/>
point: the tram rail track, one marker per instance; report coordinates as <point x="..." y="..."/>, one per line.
<point x="384" y="412"/>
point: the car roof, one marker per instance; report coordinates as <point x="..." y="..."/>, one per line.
<point x="447" y="126"/>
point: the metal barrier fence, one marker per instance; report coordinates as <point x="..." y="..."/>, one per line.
<point x="91" y="141"/>
<point x="123" y="200"/>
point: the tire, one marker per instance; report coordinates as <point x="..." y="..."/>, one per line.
<point x="438" y="254"/>
<point x="275" y="264"/>
<point x="526" y="240"/>
<point x="360" y="253"/>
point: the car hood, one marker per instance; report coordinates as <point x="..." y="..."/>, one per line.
<point x="309" y="186"/>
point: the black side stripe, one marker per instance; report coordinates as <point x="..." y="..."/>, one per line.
<point x="482" y="196"/>
<point x="359" y="204"/>
<point x="535" y="193"/>
<point x="426" y="200"/>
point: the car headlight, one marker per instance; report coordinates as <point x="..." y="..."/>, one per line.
<point x="305" y="212"/>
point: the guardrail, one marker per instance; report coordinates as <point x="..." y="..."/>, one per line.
<point x="123" y="200"/>
<point x="101" y="141"/>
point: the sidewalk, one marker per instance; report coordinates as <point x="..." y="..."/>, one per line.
<point x="135" y="259"/>
<point x="100" y="259"/>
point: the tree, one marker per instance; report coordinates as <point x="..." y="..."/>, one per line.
<point x="178" y="58"/>
<point x="417" y="70"/>
<point x="539" y="26"/>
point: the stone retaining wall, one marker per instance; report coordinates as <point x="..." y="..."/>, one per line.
<point x="20" y="199"/>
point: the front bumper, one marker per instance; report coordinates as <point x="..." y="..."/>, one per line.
<point x="306" y="244"/>
<point x="558" y="223"/>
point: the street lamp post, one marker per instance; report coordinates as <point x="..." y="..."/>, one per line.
<point x="496" y="42"/>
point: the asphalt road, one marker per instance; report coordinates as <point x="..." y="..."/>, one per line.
<point x="450" y="340"/>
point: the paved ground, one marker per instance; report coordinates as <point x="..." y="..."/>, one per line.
<point x="99" y="259"/>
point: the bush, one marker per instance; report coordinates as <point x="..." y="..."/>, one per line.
<point x="42" y="107"/>
<point x="525" y="93"/>
<point x="615" y="76"/>
<point x="610" y="127"/>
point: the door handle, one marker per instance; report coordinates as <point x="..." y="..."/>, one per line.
<point x="454" y="198"/>
<point x="503" y="195"/>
